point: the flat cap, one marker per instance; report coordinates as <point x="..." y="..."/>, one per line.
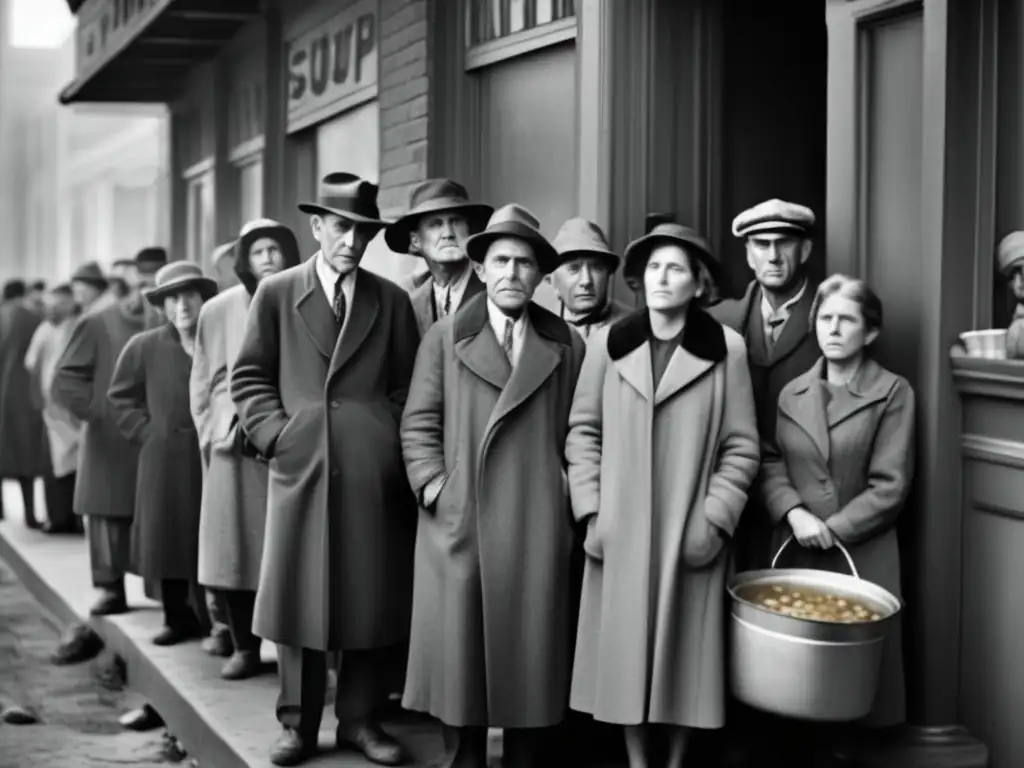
<point x="774" y="216"/>
<point x="1010" y="252"/>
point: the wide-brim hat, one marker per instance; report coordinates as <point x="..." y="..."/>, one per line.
<point x="435" y="196"/>
<point x="578" y="237"/>
<point x="180" y="276"/>
<point x="348" y="196"/>
<point x="687" y="238"/>
<point x="275" y="230"/>
<point x="91" y="274"/>
<point x="513" y="220"/>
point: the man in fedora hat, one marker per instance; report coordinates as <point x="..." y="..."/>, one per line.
<point x="149" y="395"/>
<point x="483" y="436"/>
<point x="88" y="284"/>
<point x="234" y="506"/>
<point x="440" y="220"/>
<point x="319" y="383"/>
<point x="105" y="487"/>
<point x="582" y="280"/>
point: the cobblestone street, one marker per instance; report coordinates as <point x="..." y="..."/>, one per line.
<point x="78" y="717"/>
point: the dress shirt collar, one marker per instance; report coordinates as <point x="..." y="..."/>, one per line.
<point x="454" y="290"/>
<point x="328" y="276"/>
<point x="781" y="315"/>
<point x="498" y="321"/>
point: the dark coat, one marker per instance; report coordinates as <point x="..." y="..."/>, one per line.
<point x="105" y="486"/>
<point x="24" y="451"/>
<point x="491" y="627"/>
<point x="149" y="394"/>
<point x="794" y="352"/>
<point x="337" y="558"/>
<point x="852" y="466"/>
<point x="422" y="298"/>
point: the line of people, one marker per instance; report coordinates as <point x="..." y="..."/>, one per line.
<point x="515" y="518"/>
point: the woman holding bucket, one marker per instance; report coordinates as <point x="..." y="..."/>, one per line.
<point x="661" y="449"/>
<point x="841" y="462"/>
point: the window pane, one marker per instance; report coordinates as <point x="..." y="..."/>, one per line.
<point x="488" y="20"/>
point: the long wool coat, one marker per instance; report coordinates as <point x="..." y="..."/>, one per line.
<point x="657" y="471"/>
<point x="63" y="431"/>
<point x="793" y="353"/>
<point x="234" y="509"/>
<point x="491" y="627"/>
<point x="23" y="448"/>
<point x="851" y="465"/>
<point x="105" y="486"/>
<point x="337" y="558"/>
<point x="422" y="298"/>
<point x="149" y="393"/>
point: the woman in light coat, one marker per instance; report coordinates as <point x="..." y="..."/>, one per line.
<point x="661" y="449"/>
<point x="840" y="464"/>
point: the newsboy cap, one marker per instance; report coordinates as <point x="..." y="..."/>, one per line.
<point x="1011" y="252"/>
<point x="774" y="216"/>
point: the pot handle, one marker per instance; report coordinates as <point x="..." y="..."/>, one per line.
<point x="846" y="554"/>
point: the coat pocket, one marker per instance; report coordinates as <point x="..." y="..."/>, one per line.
<point x="592" y="543"/>
<point x="702" y="541"/>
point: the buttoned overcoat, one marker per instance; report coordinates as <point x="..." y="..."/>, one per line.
<point x="850" y="463"/>
<point x="149" y="395"/>
<point x="658" y="467"/>
<point x="23" y="448"/>
<point x="491" y="628"/>
<point x="107" y="462"/>
<point x="771" y="368"/>
<point x="324" y="409"/>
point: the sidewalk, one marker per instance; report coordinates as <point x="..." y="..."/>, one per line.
<point x="222" y="724"/>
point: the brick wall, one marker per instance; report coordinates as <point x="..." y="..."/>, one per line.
<point x="403" y="87"/>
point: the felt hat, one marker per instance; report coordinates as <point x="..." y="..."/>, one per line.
<point x="179" y="276"/>
<point x="91" y="274"/>
<point x="579" y="237"/>
<point x="1010" y="252"/>
<point x="638" y="251"/>
<point x="435" y="196"/>
<point x="151" y="259"/>
<point x="275" y="230"/>
<point x="348" y="196"/>
<point x="774" y="216"/>
<point x="513" y="220"/>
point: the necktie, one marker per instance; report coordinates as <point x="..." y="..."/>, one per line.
<point x="340" y="307"/>
<point x="447" y="300"/>
<point x="775" y="323"/>
<point x="506" y="342"/>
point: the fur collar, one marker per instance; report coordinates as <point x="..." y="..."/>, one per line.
<point x="703" y="336"/>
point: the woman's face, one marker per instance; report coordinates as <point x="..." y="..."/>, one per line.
<point x="669" y="281"/>
<point x="842" y="332"/>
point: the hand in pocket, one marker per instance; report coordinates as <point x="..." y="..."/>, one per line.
<point x="702" y="542"/>
<point x="592" y="541"/>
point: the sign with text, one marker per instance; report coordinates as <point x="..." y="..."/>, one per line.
<point x="105" y="27"/>
<point x="332" y="67"/>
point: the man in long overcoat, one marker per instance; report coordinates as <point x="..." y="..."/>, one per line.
<point x="105" y="487"/>
<point x="149" y="392"/>
<point x="234" y="508"/>
<point x="440" y="220"/>
<point x="773" y="316"/>
<point x="483" y="437"/>
<point x="23" y="449"/>
<point x="320" y="382"/>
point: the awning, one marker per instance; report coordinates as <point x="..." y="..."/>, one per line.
<point x="144" y="54"/>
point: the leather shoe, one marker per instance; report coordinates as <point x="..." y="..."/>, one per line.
<point x="369" y="738"/>
<point x="242" y="665"/>
<point x="175" y="635"/>
<point x="109" y="603"/>
<point x="219" y="644"/>
<point x="145" y="718"/>
<point x="290" y="748"/>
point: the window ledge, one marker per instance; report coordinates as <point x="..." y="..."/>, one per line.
<point x="978" y="376"/>
<point x="521" y="43"/>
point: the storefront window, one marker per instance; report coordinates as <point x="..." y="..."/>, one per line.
<point x="199" y="224"/>
<point x="489" y="20"/>
<point x="250" y="187"/>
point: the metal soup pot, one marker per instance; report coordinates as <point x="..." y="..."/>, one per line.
<point x="804" y="668"/>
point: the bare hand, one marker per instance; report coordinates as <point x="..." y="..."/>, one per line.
<point x="810" y="531"/>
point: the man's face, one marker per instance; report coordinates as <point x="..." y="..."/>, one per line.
<point x="511" y="274"/>
<point x="441" y="237"/>
<point x="58" y="305"/>
<point x="342" y="242"/>
<point x="85" y="294"/>
<point x="582" y="283"/>
<point x="776" y="258"/>
<point x="265" y="258"/>
<point x="182" y="309"/>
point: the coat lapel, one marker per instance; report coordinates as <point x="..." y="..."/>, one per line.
<point x="537" y="361"/>
<point x="473" y="286"/>
<point x="796" y="328"/>
<point x="804" y="405"/>
<point x="362" y="316"/>
<point x="683" y="369"/>
<point x="869" y="386"/>
<point x="315" y="314"/>
<point x="422" y="299"/>
<point x="476" y="345"/>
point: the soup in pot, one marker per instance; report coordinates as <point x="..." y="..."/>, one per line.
<point x="803" y="602"/>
